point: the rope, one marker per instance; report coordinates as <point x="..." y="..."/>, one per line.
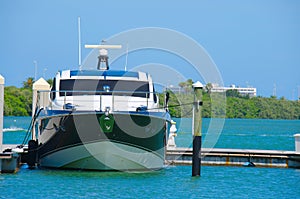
<point x="176" y="105"/>
<point x="187" y="113"/>
<point x="171" y="106"/>
<point x="36" y="114"/>
<point x="62" y="123"/>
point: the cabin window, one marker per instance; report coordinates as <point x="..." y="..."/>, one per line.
<point x="72" y="87"/>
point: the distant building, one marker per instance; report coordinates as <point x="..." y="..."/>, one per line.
<point x="242" y="90"/>
<point x="216" y="88"/>
<point x="175" y="89"/>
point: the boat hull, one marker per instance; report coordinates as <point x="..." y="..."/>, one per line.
<point x="129" y="141"/>
<point x="104" y="155"/>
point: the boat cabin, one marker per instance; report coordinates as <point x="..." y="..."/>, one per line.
<point x="97" y="90"/>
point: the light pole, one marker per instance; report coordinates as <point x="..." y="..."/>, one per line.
<point x="35" y="70"/>
<point x="44" y="72"/>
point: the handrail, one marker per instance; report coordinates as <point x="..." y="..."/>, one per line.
<point x="66" y="97"/>
<point x="97" y="91"/>
<point x="101" y="91"/>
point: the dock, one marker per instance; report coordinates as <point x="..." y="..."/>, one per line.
<point x="232" y="157"/>
<point x="10" y="161"/>
<point x="235" y="157"/>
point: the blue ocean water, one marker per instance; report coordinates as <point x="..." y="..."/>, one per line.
<point x="14" y="129"/>
<point x="244" y="133"/>
<point x="173" y="181"/>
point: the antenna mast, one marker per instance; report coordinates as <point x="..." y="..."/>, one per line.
<point x="103" y="54"/>
<point x="79" y="43"/>
<point x="125" y="68"/>
<point x="274" y="90"/>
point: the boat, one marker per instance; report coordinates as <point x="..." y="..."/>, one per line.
<point x="100" y="119"/>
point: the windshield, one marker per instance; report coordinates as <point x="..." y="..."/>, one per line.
<point x="103" y="87"/>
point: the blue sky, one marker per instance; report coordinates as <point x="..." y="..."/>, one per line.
<point x="253" y="42"/>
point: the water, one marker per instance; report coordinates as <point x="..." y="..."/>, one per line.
<point x="173" y="181"/>
<point x="236" y="133"/>
<point x="245" y="134"/>
<point x="14" y="129"/>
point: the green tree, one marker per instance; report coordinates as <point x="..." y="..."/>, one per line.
<point x="232" y="93"/>
<point x="28" y="83"/>
<point x="187" y="85"/>
<point x="208" y="87"/>
<point x="50" y="81"/>
<point x="15" y="102"/>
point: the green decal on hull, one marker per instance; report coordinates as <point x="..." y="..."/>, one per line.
<point x="107" y="123"/>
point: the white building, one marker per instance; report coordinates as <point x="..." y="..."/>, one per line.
<point x="216" y="88"/>
<point x="242" y="90"/>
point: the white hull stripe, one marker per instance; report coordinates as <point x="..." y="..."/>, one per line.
<point x="104" y="155"/>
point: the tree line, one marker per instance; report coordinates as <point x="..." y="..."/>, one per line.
<point x="180" y="105"/>
<point x="18" y="102"/>
<point x="231" y="104"/>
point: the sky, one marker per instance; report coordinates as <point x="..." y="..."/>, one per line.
<point x="252" y="43"/>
